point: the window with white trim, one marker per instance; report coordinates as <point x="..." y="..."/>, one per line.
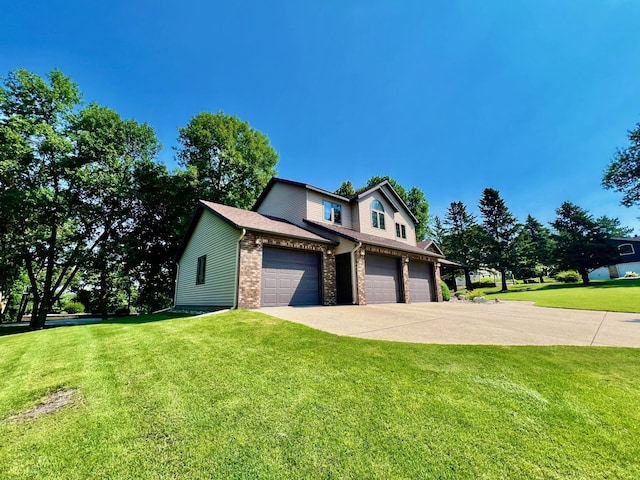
<point x="626" y="249"/>
<point x="332" y="212"/>
<point x="377" y="215"/>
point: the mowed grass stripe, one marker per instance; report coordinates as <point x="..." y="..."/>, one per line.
<point x="244" y="395"/>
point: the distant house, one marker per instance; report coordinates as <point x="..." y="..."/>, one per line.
<point x="301" y="245"/>
<point x="629" y="260"/>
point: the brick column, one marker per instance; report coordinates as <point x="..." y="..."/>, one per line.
<point x="404" y="271"/>
<point x="329" y="277"/>
<point x="436" y="269"/>
<point x="361" y="298"/>
<point x="249" y="287"/>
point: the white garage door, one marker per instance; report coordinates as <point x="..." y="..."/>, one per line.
<point x="290" y="277"/>
<point x="382" y="279"/>
<point x="421" y="281"/>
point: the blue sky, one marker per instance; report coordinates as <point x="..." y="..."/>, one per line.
<point x="529" y="97"/>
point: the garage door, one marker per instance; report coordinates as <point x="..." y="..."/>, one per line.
<point x="421" y="281"/>
<point x="290" y="277"/>
<point x="381" y="279"/>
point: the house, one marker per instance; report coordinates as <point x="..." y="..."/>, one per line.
<point x="301" y="245"/>
<point x="629" y="252"/>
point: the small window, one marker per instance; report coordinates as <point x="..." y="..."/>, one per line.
<point x="332" y="212"/>
<point x="404" y="231"/>
<point x="626" y="249"/>
<point x="202" y="267"/>
<point x="397" y="230"/>
<point x="377" y="214"/>
<point x="401" y="231"/>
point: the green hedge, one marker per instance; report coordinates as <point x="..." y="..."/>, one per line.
<point x="446" y="293"/>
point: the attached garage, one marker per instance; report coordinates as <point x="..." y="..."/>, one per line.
<point x="421" y="281"/>
<point x="382" y="279"/>
<point x="290" y="277"/>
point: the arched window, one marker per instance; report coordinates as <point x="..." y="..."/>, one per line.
<point x="626" y="249"/>
<point x="377" y="214"/>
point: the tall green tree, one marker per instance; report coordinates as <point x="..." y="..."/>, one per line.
<point x="534" y="250"/>
<point x="414" y="199"/>
<point x="580" y="242"/>
<point x="64" y="173"/>
<point x="500" y="231"/>
<point x="461" y="238"/>
<point x="346" y="189"/>
<point x="231" y="161"/>
<point x="623" y="173"/>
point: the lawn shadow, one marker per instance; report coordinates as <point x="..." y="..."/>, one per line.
<point x="23" y="327"/>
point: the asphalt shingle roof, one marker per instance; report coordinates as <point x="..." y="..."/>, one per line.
<point x="258" y="222"/>
<point x="371" y="239"/>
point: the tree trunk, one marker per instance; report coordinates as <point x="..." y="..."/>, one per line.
<point x="467" y="279"/>
<point x="585" y="276"/>
<point x="504" y="281"/>
<point x="541" y="278"/>
<point x="103" y="293"/>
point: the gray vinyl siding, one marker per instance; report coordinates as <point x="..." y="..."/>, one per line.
<point x="286" y="201"/>
<point x="315" y="209"/>
<point x="218" y="241"/>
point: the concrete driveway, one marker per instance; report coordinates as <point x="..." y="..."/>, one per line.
<point x="504" y="323"/>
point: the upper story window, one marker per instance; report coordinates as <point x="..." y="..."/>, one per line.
<point x="626" y="249"/>
<point x="401" y="231"/>
<point x="377" y="214"/>
<point x="332" y="212"/>
<point x="202" y="267"/>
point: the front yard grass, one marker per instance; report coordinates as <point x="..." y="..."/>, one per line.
<point x="245" y="395"/>
<point x="612" y="296"/>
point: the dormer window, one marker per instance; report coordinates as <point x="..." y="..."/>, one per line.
<point x="332" y="212"/>
<point x="377" y="214"/>
<point x="626" y="249"/>
<point x="401" y="231"/>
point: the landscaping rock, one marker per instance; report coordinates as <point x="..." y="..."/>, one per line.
<point x="479" y="300"/>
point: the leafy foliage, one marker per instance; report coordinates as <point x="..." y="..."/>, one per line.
<point x="623" y="173"/>
<point x="232" y="162"/>
<point x="346" y="189"/>
<point x="446" y="293"/>
<point x="568" y="276"/>
<point x="613" y="227"/>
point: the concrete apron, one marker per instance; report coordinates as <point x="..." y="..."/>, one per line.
<point x="504" y="323"/>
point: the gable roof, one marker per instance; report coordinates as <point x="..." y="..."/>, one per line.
<point x="385" y="188"/>
<point x="431" y="246"/>
<point x="275" y="180"/>
<point x="249" y="220"/>
<point x="369" y="239"/>
<point x="390" y="194"/>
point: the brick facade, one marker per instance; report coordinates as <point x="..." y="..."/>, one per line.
<point x="250" y="270"/>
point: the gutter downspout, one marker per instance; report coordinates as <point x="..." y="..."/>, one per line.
<point x="175" y="286"/>
<point x="237" y="282"/>
<point x="354" y="282"/>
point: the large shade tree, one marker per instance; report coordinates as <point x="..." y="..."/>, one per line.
<point x="64" y="169"/>
<point x="230" y="161"/>
<point x="581" y="243"/>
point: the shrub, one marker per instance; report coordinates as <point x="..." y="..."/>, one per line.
<point x="73" y="307"/>
<point x="446" y="293"/>
<point x="568" y="276"/>
<point x="484" y="283"/>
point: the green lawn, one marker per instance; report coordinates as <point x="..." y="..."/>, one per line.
<point x="611" y="296"/>
<point x="244" y="395"/>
